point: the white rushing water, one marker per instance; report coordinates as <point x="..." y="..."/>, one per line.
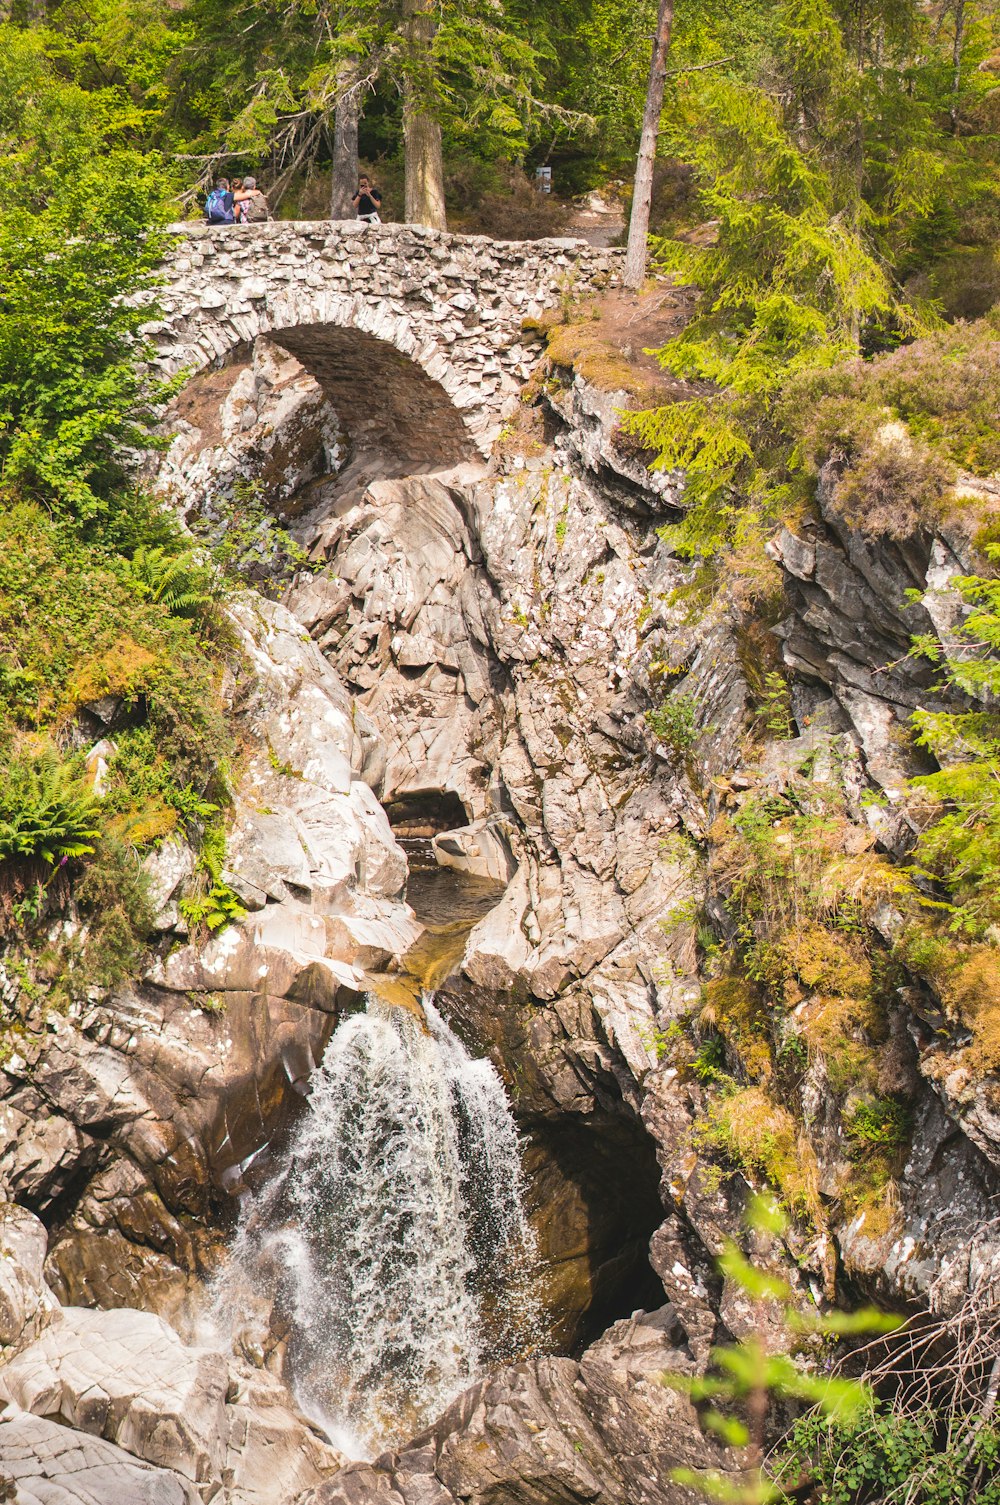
<point x="394" y="1241"/>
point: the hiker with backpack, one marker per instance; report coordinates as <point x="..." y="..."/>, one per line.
<point x="252" y="205"/>
<point x="219" y="206"/>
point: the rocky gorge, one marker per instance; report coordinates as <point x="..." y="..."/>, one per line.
<point x="490" y="654"/>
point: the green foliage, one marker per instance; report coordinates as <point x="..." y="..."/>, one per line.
<point x="76" y="625"/>
<point x="824" y="179"/>
<point x="184" y="582"/>
<point x="882" y="1122"/>
<point x="674" y="722"/>
<point x="101" y="599"/>
<point x="78" y="211"/>
<point x="113" y="900"/>
<point x="747" y="1380"/>
<point x="775" y="704"/>
<point x="882" y="1455"/>
<point x="246" y="544"/>
<point x="959" y="846"/>
<point x="709" y="1060"/>
<point x="48" y="811"/>
<point x="798" y="897"/>
<point x="760" y="1138"/>
<point x="213" y="905"/>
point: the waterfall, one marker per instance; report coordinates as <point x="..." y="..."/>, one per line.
<point x="394" y="1239"/>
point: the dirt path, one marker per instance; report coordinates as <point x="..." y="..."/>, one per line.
<point x="597" y="220"/>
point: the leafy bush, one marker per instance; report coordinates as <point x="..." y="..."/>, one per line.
<point x="675" y="721"/>
<point x="966" y="978"/>
<point x="185" y="583"/>
<point x="881" y="1122"/>
<point x="113" y="900"/>
<point x="734" y="1007"/>
<point x="78" y="246"/>
<point x="895" y="486"/>
<point x="48" y="812"/>
<point x="879" y="1456"/>
<point x="75" y="626"/>
<point x="754" y="1379"/>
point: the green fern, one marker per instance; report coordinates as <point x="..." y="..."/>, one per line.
<point x="47" y="810"/>
<point x="214" y="904"/>
<point x="184" y="583"/>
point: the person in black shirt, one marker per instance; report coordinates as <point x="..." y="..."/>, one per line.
<point x="368" y="201"/>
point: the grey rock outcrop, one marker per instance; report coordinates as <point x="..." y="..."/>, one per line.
<point x="25" y="1299"/>
<point x="149" y="1103"/>
<point x="47" y="1463"/>
<point x="553" y="1432"/>
<point x="126" y="1377"/>
<point x="261" y="422"/>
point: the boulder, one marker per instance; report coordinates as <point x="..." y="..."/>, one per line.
<point x="25" y="1299"/>
<point x="126" y="1377"/>
<point x="551" y="1432"/>
<point x="50" y="1464"/>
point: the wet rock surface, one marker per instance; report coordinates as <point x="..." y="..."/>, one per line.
<point x="552" y="1431"/>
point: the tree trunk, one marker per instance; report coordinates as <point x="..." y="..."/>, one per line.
<point x="424" y="166"/>
<point x="957" y="64"/>
<point x="344" y="173"/>
<point x="642" y="195"/>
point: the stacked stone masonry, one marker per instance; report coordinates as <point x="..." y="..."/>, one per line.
<point x="348" y="300"/>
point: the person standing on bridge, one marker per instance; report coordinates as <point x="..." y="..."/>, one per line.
<point x="219" y="204"/>
<point x="253" y="206"/>
<point x="368" y="201"/>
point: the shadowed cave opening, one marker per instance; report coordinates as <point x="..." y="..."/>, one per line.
<point x="424" y="813"/>
<point x="596" y="1184"/>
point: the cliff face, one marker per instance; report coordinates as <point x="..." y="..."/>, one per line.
<point x="508" y="660"/>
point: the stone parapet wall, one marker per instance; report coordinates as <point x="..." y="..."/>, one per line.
<point x="454" y="305"/>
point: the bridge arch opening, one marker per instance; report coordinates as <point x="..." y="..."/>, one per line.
<point x="387" y="403"/>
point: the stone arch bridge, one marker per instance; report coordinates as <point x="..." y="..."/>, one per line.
<point x="416" y="336"/>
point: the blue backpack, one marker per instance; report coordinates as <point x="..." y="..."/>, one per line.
<point x="216" y="209"/>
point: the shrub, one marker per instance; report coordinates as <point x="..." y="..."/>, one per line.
<point x="880" y="1454"/>
<point x="826" y="961"/>
<point x="74" y="627"/>
<point x="734" y="1007"/>
<point x="47" y="809"/>
<point x="883" y="1122"/>
<point x="844" y="1031"/>
<point x="675" y="721"/>
<point x="895" y="486"/>
<point x="113" y="899"/>
<point x="212" y="904"/>
<point x="966" y="978"/>
<point x="185" y="583"/>
<point x="246" y="544"/>
<point x="944" y="387"/>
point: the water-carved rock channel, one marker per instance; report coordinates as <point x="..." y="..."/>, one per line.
<point x="394" y="1239"/>
<point x="394" y="1188"/>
